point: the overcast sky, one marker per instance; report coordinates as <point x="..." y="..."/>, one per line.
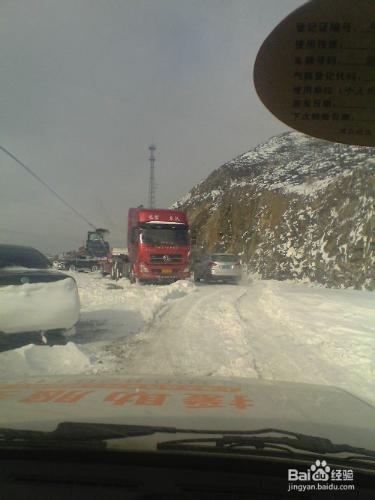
<point x="87" y="85"/>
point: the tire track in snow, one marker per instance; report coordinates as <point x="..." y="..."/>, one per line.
<point x="199" y="334"/>
<point x="269" y="330"/>
<point x="153" y="337"/>
<point x="246" y="329"/>
<point x="277" y="356"/>
<point x="128" y="341"/>
<point x="120" y="352"/>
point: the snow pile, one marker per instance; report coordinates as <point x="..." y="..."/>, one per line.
<point x="321" y="336"/>
<point x="112" y="316"/>
<point x="122" y="309"/>
<point x="38" y="306"/>
<point x="43" y="360"/>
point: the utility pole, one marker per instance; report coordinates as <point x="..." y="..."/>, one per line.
<point x="151" y="187"/>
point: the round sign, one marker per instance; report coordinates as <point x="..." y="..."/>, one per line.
<point x="316" y="70"/>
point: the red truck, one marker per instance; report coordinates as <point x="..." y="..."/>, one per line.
<point x="158" y="245"/>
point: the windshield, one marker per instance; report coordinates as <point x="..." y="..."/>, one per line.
<point x="95" y="237"/>
<point x="216" y="265"/>
<point x="159" y="235"/>
<point x="12" y="256"/>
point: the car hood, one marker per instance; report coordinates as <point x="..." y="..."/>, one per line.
<point x="186" y="402"/>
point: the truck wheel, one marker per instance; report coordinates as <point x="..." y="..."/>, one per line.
<point x="94" y="268"/>
<point x="132" y="278"/>
<point x="118" y="273"/>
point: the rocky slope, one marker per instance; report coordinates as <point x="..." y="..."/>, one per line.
<point x="294" y="207"/>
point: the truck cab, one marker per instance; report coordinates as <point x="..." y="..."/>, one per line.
<point x="158" y="245"/>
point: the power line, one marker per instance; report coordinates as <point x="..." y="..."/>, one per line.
<point x="50" y="189"/>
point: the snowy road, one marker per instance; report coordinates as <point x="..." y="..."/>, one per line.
<point x="266" y="329"/>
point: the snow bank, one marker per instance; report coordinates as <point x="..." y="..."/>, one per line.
<point x="328" y="334"/>
<point x="122" y="307"/>
<point x="43" y="360"/>
<point x="38" y="306"/>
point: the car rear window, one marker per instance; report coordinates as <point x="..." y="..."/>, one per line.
<point x="22" y="257"/>
<point x="225" y="258"/>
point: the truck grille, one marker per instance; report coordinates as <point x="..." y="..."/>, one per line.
<point x="171" y="258"/>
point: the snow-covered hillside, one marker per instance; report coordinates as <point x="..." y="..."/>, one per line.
<point x="295" y="207"/>
<point x="263" y="329"/>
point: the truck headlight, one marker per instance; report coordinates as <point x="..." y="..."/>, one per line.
<point x="143" y="268"/>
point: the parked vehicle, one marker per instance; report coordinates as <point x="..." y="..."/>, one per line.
<point x="119" y="263"/>
<point x="82" y="263"/>
<point x="215" y="267"/>
<point x="115" y="264"/>
<point x="33" y="296"/>
<point x="96" y="246"/>
<point x="158" y="245"/>
<point x="93" y="256"/>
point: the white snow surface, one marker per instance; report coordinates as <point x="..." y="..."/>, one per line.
<point x="38" y="306"/>
<point x="42" y="360"/>
<point x="262" y="329"/>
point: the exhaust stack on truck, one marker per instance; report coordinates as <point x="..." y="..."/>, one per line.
<point x="158" y="245"/>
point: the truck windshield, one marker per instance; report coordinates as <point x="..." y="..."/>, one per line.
<point x="159" y="235"/>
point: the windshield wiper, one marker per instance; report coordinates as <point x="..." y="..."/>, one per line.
<point x="76" y="433"/>
<point x="96" y="434"/>
<point x="248" y="441"/>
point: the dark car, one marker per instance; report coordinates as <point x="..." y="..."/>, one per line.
<point x="33" y="296"/>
